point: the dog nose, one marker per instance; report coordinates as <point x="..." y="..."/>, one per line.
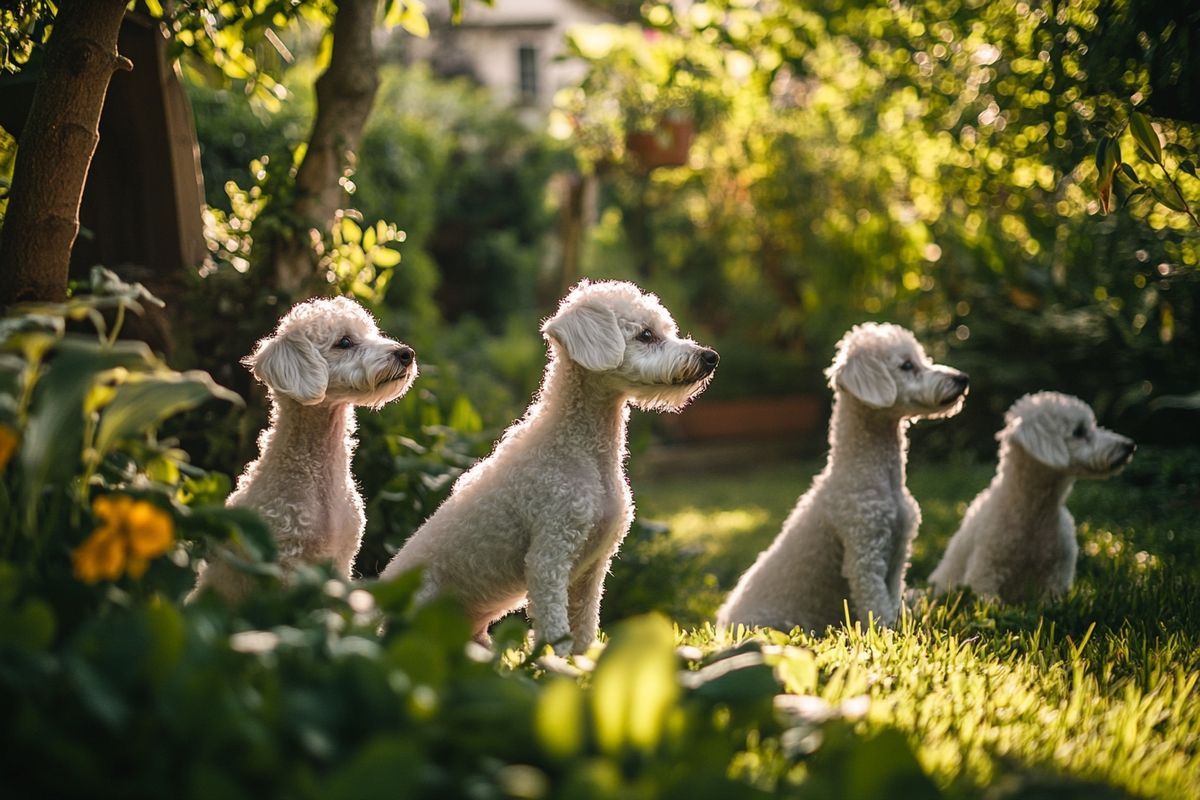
<point x="404" y="354"/>
<point x="962" y="380"/>
<point x="1127" y="451"/>
<point x="710" y="358"/>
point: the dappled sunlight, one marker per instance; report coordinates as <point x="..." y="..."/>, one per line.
<point x="1115" y="548"/>
<point x="1015" y="183"/>
<point x="714" y="526"/>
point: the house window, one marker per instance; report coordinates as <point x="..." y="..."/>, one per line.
<point x="527" y="58"/>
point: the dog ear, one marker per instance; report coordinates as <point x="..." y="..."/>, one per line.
<point x="291" y="366"/>
<point x="1040" y="440"/>
<point x="866" y="377"/>
<point x="591" y="336"/>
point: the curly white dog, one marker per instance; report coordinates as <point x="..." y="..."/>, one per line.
<point x="545" y="513"/>
<point x="1017" y="540"/>
<point x="848" y="537"/>
<point x="325" y="357"/>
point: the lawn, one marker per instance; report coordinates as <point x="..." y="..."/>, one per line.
<point x="1094" y="694"/>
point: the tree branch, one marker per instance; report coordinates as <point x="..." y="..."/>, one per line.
<point x="345" y="93"/>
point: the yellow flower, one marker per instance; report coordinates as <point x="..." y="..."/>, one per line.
<point x="130" y="534"/>
<point x="8" y="445"/>
<point x="150" y="529"/>
<point x="101" y="557"/>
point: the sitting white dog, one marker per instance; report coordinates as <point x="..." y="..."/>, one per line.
<point x="546" y="512"/>
<point x="1017" y="541"/>
<point x="325" y="357"/>
<point x="847" y="540"/>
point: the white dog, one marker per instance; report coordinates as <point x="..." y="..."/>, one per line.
<point x="545" y="513"/>
<point x="325" y="357"/>
<point x="1017" y="540"/>
<point x="848" y="537"/>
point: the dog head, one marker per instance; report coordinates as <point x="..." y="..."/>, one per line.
<point x="614" y="330"/>
<point x="884" y="367"/>
<point x="1060" y="431"/>
<point x="329" y="350"/>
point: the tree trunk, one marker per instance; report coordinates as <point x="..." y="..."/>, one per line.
<point x="345" y="93"/>
<point x="55" y="150"/>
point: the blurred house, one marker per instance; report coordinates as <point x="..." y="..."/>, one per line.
<point x="513" y="48"/>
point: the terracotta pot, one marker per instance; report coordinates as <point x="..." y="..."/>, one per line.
<point x="747" y="418"/>
<point x="667" y="146"/>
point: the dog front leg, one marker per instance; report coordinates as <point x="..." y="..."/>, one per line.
<point x="548" y="573"/>
<point x="866" y="570"/>
<point x="584" y="605"/>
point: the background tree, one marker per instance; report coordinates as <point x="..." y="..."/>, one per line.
<point x="56" y="148"/>
<point x="61" y="134"/>
<point x="931" y="163"/>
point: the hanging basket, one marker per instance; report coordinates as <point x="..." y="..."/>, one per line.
<point x="666" y="146"/>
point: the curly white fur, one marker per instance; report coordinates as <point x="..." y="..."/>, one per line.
<point x="1017" y="540"/>
<point x="545" y="513"/>
<point x="325" y="357"/>
<point x="848" y="537"/>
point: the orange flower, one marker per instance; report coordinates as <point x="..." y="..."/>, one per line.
<point x="150" y="529"/>
<point x="101" y="557"/>
<point x="8" y="445"/>
<point x="130" y="534"/>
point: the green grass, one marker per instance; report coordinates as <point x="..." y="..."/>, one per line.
<point x="1097" y="687"/>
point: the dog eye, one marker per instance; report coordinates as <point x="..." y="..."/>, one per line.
<point x="1080" y="431"/>
<point x="908" y="365"/>
<point x="344" y="343"/>
<point x="646" y="336"/>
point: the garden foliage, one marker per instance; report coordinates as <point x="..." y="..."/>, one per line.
<point x="931" y="163"/>
<point x="113" y="686"/>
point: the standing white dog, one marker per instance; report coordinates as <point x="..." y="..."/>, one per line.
<point x="325" y="357"/>
<point x="1017" y="540"/>
<point x="848" y="537"/>
<point x="545" y="513"/>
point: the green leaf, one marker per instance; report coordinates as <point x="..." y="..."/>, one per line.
<point x="371" y="773"/>
<point x="414" y="20"/>
<point x="741" y="679"/>
<point x="1188" y="166"/>
<point x="167" y="636"/>
<point x="884" y="766"/>
<point x="385" y="257"/>
<point x="97" y="693"/>
<point x="31" y="627"/>
<point x="241" y="526"/>
<point x="1145" y="136"/>
<point x="559" y="718"/>
<point x="50" y="449"/>
<point x="1169" y="200"/>
<point x="634" y="685"/>
<point x="1132" y="193"/>
<point x="1108" y="155"/>
<point x="395" y="595"/>
<point x="351" y="232"/>
<point x="464" y="417"/>
<point x="144" y="401"/>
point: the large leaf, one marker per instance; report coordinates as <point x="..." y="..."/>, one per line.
<point x="1145" y="136"/>
<point x="744" y="678"/>
<point x="634" y="686"/>
<point x="143" y="401"/>
<point x="50" y="450"/>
